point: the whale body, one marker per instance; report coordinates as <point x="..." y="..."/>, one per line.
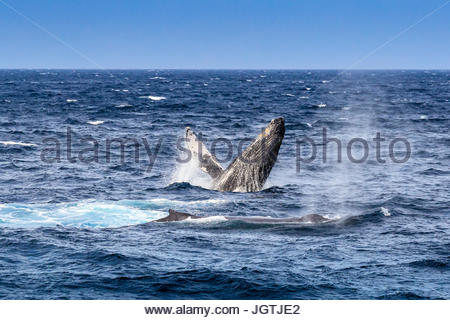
<point x="310" y="218"/>
<point x="249" y="171"/>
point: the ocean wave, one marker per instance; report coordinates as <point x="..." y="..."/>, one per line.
<point x="93" y="213"/>
<point x="385" y="212"/>
<point x="88" y="214"/>
<point x="123" y="105"/>
<point x="430" y="263"/>
<point x="17" y="143"/>
<point x="153" y="98"/>
<point x="96" y="122"/>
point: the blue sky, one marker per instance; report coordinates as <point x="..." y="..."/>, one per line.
<point x="225" y="34"/>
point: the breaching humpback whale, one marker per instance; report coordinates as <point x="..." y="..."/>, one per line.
<point x="310" y="218"/>
<point x="249" y="171"/>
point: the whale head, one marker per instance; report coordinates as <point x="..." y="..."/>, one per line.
<point x="274" y="132"/>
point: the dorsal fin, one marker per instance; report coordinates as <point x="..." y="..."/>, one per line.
<point x="177" y="216"/>
<point x="208" y="163"/>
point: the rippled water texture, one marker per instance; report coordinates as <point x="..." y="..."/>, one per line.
<point x="78" y="230"/>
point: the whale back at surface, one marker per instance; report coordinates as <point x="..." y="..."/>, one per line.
<point x="177" y="216"/>
<point x="310" y="218"/>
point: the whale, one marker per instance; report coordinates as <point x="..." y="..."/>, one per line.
<point x="180" y="216"/>
<point x="249" y="170"/>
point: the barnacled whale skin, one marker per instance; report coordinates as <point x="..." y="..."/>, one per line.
<point x="249" y="171"/>
<point x="310" y="218"/>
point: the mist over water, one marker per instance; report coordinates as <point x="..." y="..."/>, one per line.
<point x="82" y="227"/>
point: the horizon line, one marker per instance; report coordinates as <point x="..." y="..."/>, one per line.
<point x="229" y="69"/>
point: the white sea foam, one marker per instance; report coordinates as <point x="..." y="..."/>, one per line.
<point x="154" y="98"/>
<point x="321" y="105"/>
<point x="71" y="100"/>
<point x="86" y="213"/>
<point x="17" y="143"/>
<point x="123" y="105"/>
<point x="423" y="117"/>
<point x="193" y="202"/>
<point x="290" y="95"/>
<point x="346" y="108"/>
<point x="325" y="81"/>
<point x="190" y="172"/>
<point x="97" y="214"/>
<point x="385" y="211"/>
<point x="210" y="219"/>
<point x="95" y="123"/>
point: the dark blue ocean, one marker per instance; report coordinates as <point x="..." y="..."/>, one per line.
<point x="72" y="229"/>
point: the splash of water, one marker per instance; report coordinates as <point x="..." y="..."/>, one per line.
<point x="190" y="172"/>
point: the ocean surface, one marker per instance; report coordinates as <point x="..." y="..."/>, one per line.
<point x="72" y="229"/>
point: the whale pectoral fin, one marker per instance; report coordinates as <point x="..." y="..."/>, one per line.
<point x="208" y="163"/>
<point x="249" y="170"/>
<point x="176" y="216"/>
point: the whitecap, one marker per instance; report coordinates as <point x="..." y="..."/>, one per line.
<point x="96" y="122"/>
<point x="290" y="95"/>
<point x="423" y="117"/>
<point x="179" y="202"/>
<point x="307" y="89"/>
<point x="325" y="81"/>
<point x="321" y="105"/>
<point x="15" y="143"/>
<point x="385" y="212"/>
<point x="309" y="125"/>
<point x="346" y="108"/>
<point x="71" y="100"/>
<point x="154" y="98"/>
<point x="123" y="105"/>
